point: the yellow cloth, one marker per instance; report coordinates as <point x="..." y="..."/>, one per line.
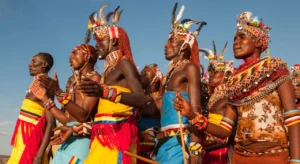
<point x="17" y="149"/>
<point x="29" y="106"/>
<point x="99" y="153"/>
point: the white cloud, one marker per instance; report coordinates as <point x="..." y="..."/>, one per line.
<point x="4" y="134"/>
<point x="5" y="123"/>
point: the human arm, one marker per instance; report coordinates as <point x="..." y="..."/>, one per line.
<point x="287" y="97"/>
<point x="193" y="78"/>
<point x="214" y="120"/>
<point x="40" y="93"/>
<point x="136" y="97"/>
<point x="81" y="112"/>
<point x="47" y="134"/>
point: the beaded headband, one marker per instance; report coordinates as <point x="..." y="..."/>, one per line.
<point x="295" y="72"/>
<point x="158" y="73"/>
<point x="255" y="26"/>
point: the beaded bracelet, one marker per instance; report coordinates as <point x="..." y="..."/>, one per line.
<point x="222" y="121"/>
<point x="82" y="129"/>
<point x="291" y="117"/>
<point x="64" y="98"/>
<point x="199" y="121"/>
<point x="294" y="161"/>
<point x="112" y="94"/>
<point x="49" y="104"/>
<point x="195" y="149"/>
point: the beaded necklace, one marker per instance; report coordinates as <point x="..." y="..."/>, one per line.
<point x="111" y="61"/>
<point x="178" y="66"/>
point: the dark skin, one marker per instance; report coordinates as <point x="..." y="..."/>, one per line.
<point x="124" y="75"/>
<point x="146" y="77"/>
<point x="244" y="45"/>
<point x="82" y="107"/>
<point x="39" y="66"/>
<point x="185" y="80"/>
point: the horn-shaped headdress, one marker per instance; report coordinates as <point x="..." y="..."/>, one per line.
<point x="181" y="30"/>
<point x="101" y="27"/>
<point x="216" y="64"/>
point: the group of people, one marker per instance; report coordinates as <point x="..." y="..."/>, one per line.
<point x="248" y="114"/>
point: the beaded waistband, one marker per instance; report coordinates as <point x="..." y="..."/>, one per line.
<point x="172" y="132"/>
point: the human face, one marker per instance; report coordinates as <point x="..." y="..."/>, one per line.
<point x="243" y="46"/>
<point x="215" y="79"/>
<point x="172" y="47"/>
<point x="102" y="47"/>
<point x="146" y="76"/>
<point x="77" y="58"/>
<point x="36" y="66"/>
<point x="297" y="88"/>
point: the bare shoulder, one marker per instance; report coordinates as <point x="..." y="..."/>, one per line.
<point x="127" y="67"/>
<point x="96" y="77"/>
<point x="191" y="67"/>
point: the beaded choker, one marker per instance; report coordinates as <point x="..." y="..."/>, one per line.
<point x="111" y="61"/>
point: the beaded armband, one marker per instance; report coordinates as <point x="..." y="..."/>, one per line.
<point x="82" y="129"/>
<point x="291" y="117"/>
<point x="64" y="98"/>
<point x="294" y="161"/>
<point x="195" y="149"/>
<point x="112" y="94"/>
<point x="221" y="121"/>
<point x="49" y="104"/>
<point x="199" y="121"/>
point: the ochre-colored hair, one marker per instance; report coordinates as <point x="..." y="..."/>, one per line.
<point x="90" y="50"/>
<point x="195" y="54"/>
<point x="124" y="45"/>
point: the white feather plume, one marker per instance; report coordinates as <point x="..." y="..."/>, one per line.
<point x="179" y="15"/>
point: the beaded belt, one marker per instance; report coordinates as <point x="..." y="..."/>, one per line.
<point x="267" y="152"/>
<point x="172" y="132"/>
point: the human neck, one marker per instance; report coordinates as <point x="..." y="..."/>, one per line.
<point x="252" y="57"/>
<point x="87" y="69"/>
<point x="151" y="89"/>
<point x="180" y="58"/>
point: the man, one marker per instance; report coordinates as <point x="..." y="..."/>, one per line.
<point x="261" y="95"/>
<point x="218" y="73"/>
<point x="183" y="76"/>
<point x="149" y="116"/>
<point x="295" y="72"/>
<point x="34" y="125"/>
<point x="82" y="60"/>
<point x="114" y="132"/>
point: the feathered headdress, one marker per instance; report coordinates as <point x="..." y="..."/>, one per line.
<point x="255" y="26"/>
<point x="181" y="30"/>
<point x="101" y="26"/>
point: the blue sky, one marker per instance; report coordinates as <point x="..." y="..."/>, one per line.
<point x="56" y="26"/>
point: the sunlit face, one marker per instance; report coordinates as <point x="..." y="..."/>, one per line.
<point x="172" y="47"/>
<point x="146" y="76"/>
<point x="36" y="65"/>
<point x="77" y="58"/>
<point x="243" y="46"/>
<point x="296" y="83"/>
<point x="102" y="46"/>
